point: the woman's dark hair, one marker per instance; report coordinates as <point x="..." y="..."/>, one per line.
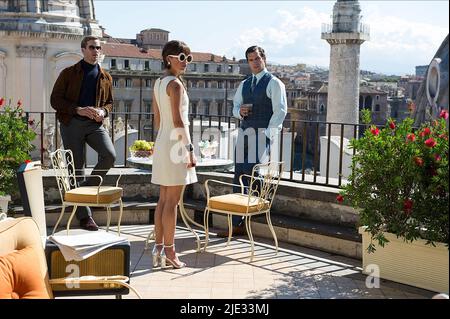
<point x="255" y="48"/>
<point x="174" y="47"/>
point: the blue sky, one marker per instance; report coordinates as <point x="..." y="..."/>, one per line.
<point x="403" y="33"/>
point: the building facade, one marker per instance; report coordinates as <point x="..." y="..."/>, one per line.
<point x="37" y="40"/>
<point x="211" y="81"/>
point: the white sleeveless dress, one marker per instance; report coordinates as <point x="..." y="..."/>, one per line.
<point x="169" y="159"/>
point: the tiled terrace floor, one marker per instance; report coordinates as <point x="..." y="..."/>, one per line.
<point x="226" y="272"/>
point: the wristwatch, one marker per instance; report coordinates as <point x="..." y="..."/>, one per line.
<point x="189" y="147"/>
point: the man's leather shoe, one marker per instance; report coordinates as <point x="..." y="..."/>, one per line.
<point x="88" y="223"/>
<point x="237" y="231"/>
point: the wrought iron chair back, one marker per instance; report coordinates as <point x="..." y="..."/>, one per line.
<point x="264" y="183"/>
<point x="64" y="169"/>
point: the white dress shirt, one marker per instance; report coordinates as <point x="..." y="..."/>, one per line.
<point x="276" y="92"/>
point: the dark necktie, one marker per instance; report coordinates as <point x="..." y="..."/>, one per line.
<point x="253" y="83"/>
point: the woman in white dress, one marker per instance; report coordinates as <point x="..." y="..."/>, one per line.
<point x="173" y="160"/>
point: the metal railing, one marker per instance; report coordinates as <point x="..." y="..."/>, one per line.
<point x="345" y="27"/>
<point x="306" y="146"/>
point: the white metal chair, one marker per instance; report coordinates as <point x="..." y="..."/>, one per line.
<point x="255" y="199"/>
<point x="72" y="195"/>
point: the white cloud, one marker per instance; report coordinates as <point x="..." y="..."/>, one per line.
<point x="397" y="42"/>
<point x="401" y="35"/>
<point x="295" y="35"/>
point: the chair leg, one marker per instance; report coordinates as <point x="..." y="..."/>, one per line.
<point x="59" y="219"/>
<point x="71" y="217"/>
<point x="206" y="223"/>
<point x="108" y="217"/>
<point x="120" y="216"/>
<point x="269" y="222"/>
<point x="151" y="236"/>
<point x="230" y="229"/>
<point x="250" y="235"/>
<point x="185" y="218"/>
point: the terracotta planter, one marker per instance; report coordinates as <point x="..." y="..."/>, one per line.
<point x="4" y="203"/>
<point x="415" y="264"/>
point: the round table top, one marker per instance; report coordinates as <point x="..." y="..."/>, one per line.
<point x="215" y="164"/>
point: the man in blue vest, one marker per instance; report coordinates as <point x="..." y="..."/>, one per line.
<point x="260" y="103"/>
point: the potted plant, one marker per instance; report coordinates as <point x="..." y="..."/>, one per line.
<point x="399" y="185"/>
<point x="16" y="143"/>
<point x="142" y="148"/>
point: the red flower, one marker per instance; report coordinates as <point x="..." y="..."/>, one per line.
<point x="432" y="171"/>
<point x="2" y="101"/>
<point x="392" y="125"/>
<point x="340" y="198"/>
<point x="375" y="131"/>
<point x="426" y="131"/>
<point x="443" y="136"/>
<point x="443" y="114"/>
<point x="31" y="121"/>
<point x="407" y="206"/>
<point x="411" y="137"/>
<point x="27" y="161"/>
<point x="19" y="103"/>
<point x="437" y="157"/>
<point x="430" y="143"/>
<point x="418" y="160"/>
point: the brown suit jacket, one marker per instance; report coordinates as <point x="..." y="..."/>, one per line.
<point x="66" y="92"/>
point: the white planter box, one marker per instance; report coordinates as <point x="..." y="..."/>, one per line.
<point x="4" y="203"/>
<point x="415" y="264"/>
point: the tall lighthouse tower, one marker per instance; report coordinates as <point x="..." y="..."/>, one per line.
<point x="345" y="36"/>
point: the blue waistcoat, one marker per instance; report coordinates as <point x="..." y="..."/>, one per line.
<point x="262" y="105"/>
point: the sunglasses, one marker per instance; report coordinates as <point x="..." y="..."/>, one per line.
<point x="183" y="57"/>
<point x="92" y="47"/>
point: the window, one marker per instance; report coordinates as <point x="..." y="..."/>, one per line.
<point x="230" y="69"/>
<point x="128" y="106"/>
<point x="206" y="68"/>
<point x="206" y="108"/>
<point x="115" y="83"/>
<point x="113" y="64"/>
<point x="219" y="108"/>
<point x="147" y="65"/>
<point x="194" y="67"/>
<point x="377" y="97"/>
<point x="148" y="109"/>
<point x="194" y="84"/>
<point x="219" y="68"/>
<point x="220" y="84"/>
<point x="377" y="108"/>
<point x="322" y="109"/>
<point x="148" y="83"/>
<point x="128" y="83"/>
<point x="127" y="64"/>
<point x="194" y="107"/>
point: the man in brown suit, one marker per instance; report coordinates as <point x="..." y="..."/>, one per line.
<point x="82" y="98"/>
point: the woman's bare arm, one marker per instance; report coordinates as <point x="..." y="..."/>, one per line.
<point x="156" y="115"/>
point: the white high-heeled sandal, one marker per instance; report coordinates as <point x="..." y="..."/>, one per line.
<point x="156" y="255"/>
<point x="164" y="258"/>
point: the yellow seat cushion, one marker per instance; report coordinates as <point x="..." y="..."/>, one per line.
<point x="88" y="194"/>
<point x="238" y="203"/>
